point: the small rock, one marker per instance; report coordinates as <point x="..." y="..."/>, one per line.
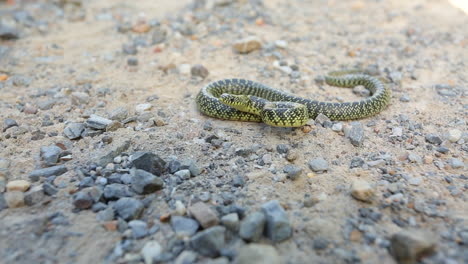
<point x="116" y="191"/>
<point x="139" y="228"/>
<point x="292" y="171"/>
<point x="199" y="70"/>
<point x="251" y="228"/>
<point x="159" y="35"/>
<point x="282" y="44"/>
<point x="322" y="119"/>
<point x="184" y="226"/>
<point x="85" y="198"/>
<point x="108" y="214"/>
<point x="9" y="123"/>
<point x="149" y="162"/>
<point x="184" y="69"/>
<point x="141" y="108"/>
<point x="337" y="127"/>
<point x="47" y="172"/>
<point x="231" y="222"/>
<point x="8" y="33"/>
<point x="454" y="135"/>
<point x="362" y="190"/>
<point x="98" y="122"/>
<point x="18" y="185"/>
<point x="50" y="155"/>
<point x="456" y="163"/>
<point x="356" y="134"/>
<point x="129" y="49"/>
<point x="132" y="61"/>
<point x="415" y="181"/>
<point x="278" y="227"/>
<point x="144" y="182"/>
<point x="183" y="174"/>
<point x="412" y="246"/>
<point x="74" y="130"/>
<point x="192" y="166"/>
<point x="356" y="162"/>
<point x="204" y="215"/>
<point x="433" y="139"/>
<point x="414" y="158"/>
<point x="79" y="98"/>
<point x="34" y="196"/>
<point x="318" y="165"/>
<point x="49" y="189"/>
<point x="247" y="45"/>
<point x="405" y="98"/>
<point x="14" y="199"/>
<point x="258" y="254"/>
<point x="128" y="208"/>
<point x="151" y="251"/>
<point x="209" y="242"/>
<point x="118" y="114"/>
<point x="179" y="208"/>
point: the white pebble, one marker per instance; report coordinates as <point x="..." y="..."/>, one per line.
<point x="454" y="135"/>
<point x="184" y="69"/>
<point x="282" y="44"/>
<point x="142" y="108"/>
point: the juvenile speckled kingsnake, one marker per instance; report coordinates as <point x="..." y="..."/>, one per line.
<point x="245" y="100"/>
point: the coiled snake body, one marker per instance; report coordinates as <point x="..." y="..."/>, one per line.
<point x="245" y="100"/>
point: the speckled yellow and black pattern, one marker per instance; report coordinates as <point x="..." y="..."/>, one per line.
<point x="209" y="103"/>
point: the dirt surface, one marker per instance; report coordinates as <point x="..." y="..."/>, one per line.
<point x="64" y="61"/>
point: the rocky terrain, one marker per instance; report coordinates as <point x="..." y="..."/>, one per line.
<point x="104" y="157"/>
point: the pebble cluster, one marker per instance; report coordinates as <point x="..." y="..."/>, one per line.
<point x="152" y="181"/>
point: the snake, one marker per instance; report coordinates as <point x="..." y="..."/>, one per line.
<point x="245" y="100"/>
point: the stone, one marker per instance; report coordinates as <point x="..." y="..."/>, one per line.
<point x="74" y="130"/>
<point x="282" y="148"/>
<point x="118" y="114"/>
<point x="192" y="166"/>
<point x="410" y="246"/>
<point x="47" y="172"/>
<point x="97" y="122"/>
<point x="79" y="98"/>
<point x="85" y="198"/>
<point x="278" y="227"/>
<point x="14" y="199"/>
<point x="158" y="36"/>
<point x="258" y="254"/>
<point x="322" y="119"/>
<point x="132" y="61"/>
<point x="231" y="222"/>
<point x="415" y="181"/>
<point x="355" y="134"/>
<point x="362" y="190"/>
<point x="433" y="139"/>
<point x="456" y="163"/>
<point x="149" y="162"/>
<point x="247" y="45"/>
<point x="106" y="215"/>
<point x="251" y="227"/>
<point x="186" y="257"/>
<point x="9" y="123"/>
<point x="204" y="214"/>
<point x="49" y="189"/>
<point x="209" y="242"/>
<point x="199" y="70"/>
<point x="8" y="33"/>
<point x="318" y="165"/>
<point x="129" y="49"/>
<point x="139" y="229"/>
<point x="356" y="162"/>
<point x="179" y="208"/>
<point x="337" y="127"/>
<point x="184" y="226"/>
<point x="151" y="251"/>
<point x="46" y="104"/>
<point x="18" y="185"/>
<point x="183" y="174"/>
<point x="141" y="108"/>
<point x="184" y="69"/>
<point x="50" y="155"/>
<point x="128" y="208"/>
<point x="144" y="182"/>
<point x="292" y="171"/>
<point x="116" y="191"/>
<point x="454" y="135"/>
<point x="414" y="158"/>
<point x="108" y="155"/>
<point x="34" y="196"/>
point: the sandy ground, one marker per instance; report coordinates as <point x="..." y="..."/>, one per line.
<point x="417" y="45"/>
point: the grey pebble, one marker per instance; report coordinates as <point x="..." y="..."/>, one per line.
<point x="116" y="191"/>
<point x="192" y="166"/>
<point x="187" y="257"/>
<point x="292" y="171"/>
<point x="97" y="122"/>
<point x="173" y="166"/>
<point x="159" y="35"/>
<point x="231" y="222"/>
<point x="258" y="253"/>
<point x="119" y="114"/>
<point x="108" y="214"/>
<point x="129" y="49"/>
<point x="433" y="139"/>
<point x="456" y="163"/>
<point x="9" y="123"/>
<point x="8" y="33"/>
<point x="74" y="130"/>
<point x="83" y="200"/>
<point x="277" y="227"/>
<point x="356" y="162"/>
<point x="282" y="148"/>
<point x="415" y="158"/>
<point x="322" y="119"/>
<point x="144" y="182"/>
<point x="34" y="195"/>
<point x="99" y="206"/>
<point x="128" y="208"/>
<point x="318" y="165"/>
<point x="405" y="98"/>
<point x="46" y="104"/>
<point x="251" y="227"/>
<point x="50" y="155"/>
<point x="183" y="174"/>
<point x="49" y="189"/>
<point x="410" y="246"/>
<point x="356" y="134"/>
<point x="149" y="162"/>
<point x="132" y="61"/>
<point x="47" y="172"/>
<point x="199" y="70"/>
<point x="184" y="226"/>
<point x="320" y="243"/>
<point x="209" y="242"/>
<point x="139" y="228"/>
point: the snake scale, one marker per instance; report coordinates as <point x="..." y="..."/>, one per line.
<point x="245" y="100"/>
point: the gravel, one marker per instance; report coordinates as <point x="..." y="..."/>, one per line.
<point x="116" y="191"/>
<point x="50" y="155"/>
<point x="433" y="139"/>
<point x="74" y="130"/>
<point x="144" y="182"/>
<point x="251" y="227"/>
<point x="277" y="226"/>
<point x="149" y="162"/>
<point x="411" y="246"/>
<point x="292" y="171"/>
<point x="47" y="172"/>
<point x="318" y="165"/>
<point x="204" y="215"/>
<point x="128" y="208"/>
<point x="355" y="134"/>
<point x="247" y="45"/>
<point x="209" y="242"/>
<point x="184" y="226"/>
<point x="258" y="253"/>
